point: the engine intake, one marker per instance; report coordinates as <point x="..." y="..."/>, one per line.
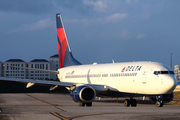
<point x="168" y="97"/>
<point x="83" y="94"/>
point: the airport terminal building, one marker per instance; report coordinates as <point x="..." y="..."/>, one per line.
<point x="177" y="71"/>
<point x="11" y="72"/>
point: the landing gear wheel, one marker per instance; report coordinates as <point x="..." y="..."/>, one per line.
<point x="159" y="103"/>
<point x="133" y="102"/>
<point x="81" y="104"/>
<point x="89" y="104"/>
<point x="126" y="103"/>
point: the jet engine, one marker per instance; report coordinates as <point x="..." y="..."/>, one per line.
<point x="165" y="97"/>
<point x="83" y="94"/>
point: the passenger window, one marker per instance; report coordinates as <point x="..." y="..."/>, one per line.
<point x="171" y="72"/>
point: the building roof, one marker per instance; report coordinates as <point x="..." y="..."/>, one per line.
<point x="14" y="60"/>
<point x="39" y="60"/>
<point x="55" y="56"/>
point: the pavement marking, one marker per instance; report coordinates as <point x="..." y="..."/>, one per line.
<point x="70" y="118"/>
<point x="42" y="100"/>
<point x="58" y="107"/>
<point x="59" y="116"/>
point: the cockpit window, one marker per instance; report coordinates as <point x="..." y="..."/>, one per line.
<point x="156" y="72"/>
<point x="163" y="72"/>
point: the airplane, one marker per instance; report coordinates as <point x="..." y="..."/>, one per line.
<point x="127" y="79"/>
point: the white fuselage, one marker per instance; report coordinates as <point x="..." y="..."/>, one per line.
<point x="128" y="77"/>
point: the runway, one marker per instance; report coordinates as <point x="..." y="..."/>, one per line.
<point x="61" y="107"/>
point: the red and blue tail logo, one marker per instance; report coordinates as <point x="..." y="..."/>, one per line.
<point x="65" y="55"/>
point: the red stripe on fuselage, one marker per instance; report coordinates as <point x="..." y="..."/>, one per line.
<point x="62" y="37"/>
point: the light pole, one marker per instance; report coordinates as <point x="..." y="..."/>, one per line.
<point x="171" y="60"/>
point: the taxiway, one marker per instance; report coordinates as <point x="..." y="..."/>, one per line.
<point x="60" y="106"/>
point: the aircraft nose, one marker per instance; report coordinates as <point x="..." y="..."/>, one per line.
<point x="171" y="83"/>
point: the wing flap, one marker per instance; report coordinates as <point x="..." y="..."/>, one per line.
<point x="31" y="82"/>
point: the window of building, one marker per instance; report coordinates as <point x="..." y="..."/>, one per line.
<point x="40" y="66"/>
<point x="7" y="67"/>
<point x="46" y="66"/>
<point x="22" y="66"/>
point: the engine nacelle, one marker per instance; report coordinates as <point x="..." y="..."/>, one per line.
<point x="165" y="97"/>
<point x="83" y="93"/>
<point x="168" y="97"/>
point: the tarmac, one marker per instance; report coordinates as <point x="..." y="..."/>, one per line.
<point x="39" y="106"/>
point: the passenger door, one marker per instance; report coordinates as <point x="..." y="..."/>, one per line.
<point x="144" y="76"/>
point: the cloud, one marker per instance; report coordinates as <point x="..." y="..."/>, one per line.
<point x="124" y="34"/>
<point x="99" y="5"/>
<point x="41" y="24"/>
<point x="26" y="6"/>
<point x="116" y="17"/>
<point x="128" y="1"/>
<point x="139" y="36"/>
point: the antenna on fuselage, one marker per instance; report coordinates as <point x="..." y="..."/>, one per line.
<point x="113" y="60"/>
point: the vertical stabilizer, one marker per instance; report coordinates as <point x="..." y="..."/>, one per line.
<point x="65" y="56"/>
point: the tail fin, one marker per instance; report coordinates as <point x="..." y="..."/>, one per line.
<point x="65" y="56"/>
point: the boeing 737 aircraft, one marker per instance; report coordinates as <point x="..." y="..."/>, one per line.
<point x="127" y="79"/>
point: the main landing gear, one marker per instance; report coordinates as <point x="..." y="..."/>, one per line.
<point x="129" y="102"/>
<point x="133" y="103"/>
<point x="87" y="104"/>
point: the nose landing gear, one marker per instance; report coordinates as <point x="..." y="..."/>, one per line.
<point x="159" y="103"/>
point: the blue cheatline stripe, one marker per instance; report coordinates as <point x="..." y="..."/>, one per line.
<point x="60" y="51"/>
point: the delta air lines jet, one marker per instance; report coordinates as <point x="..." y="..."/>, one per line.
<point x="126" y="79"/>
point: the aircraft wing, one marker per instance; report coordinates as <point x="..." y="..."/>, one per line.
<point x="42" y="82"/>
<point x="55" y="83"/>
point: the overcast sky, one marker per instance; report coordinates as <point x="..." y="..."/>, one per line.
<point x="97" y="30"/>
